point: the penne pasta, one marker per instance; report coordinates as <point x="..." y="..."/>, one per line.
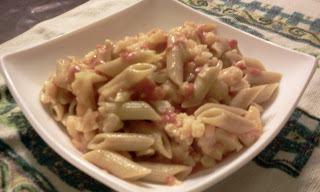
<point x="64" y="96"/>
<point x="254" y="63"/>
<point x="116" y="66"/>
<point x="160" y="173"/>
<point x="72" y="107"/>
<point x="161" y="142"/>
<point x="202" y="85"/>
<point x="57" y="111"/>
<point x="83" y="89"/>
<point x="266" y="93"/>
<point x="176" y="56"/>
<point x="207" y="106"/>
<point x="207" y="161"/>
<point x="250" y="137"/>
<point x="132" y="110"/>
<point x="263" y="77"/>
<point x="127" y="78"/>
<point x="246" y="96"/>
<point x="145" y="152"/>
<point x="218" y="90"/>
<point x="121" y="142"/>
<point x="117" y="164"/>
<point x="230" y="58"/>
<point x="226" y="120"/>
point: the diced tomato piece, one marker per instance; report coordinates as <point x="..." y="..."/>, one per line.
<point x="157" y="94"/>
<point x="190" y="64"/>
<point x="148" y="90"/>
<point x="198" y="167"/>
<point x="233" y="43"/>
<point x="241" y="66"/>
<point x="127" y="55"/>
<point x="189" y="89"/>
<point x="174" y="44"/>
<point x="171" y="180"/>
<point x="103" y="47"/>
<point x="144" y="47"/>
<point x="169" y="116"/>
<point x="254" y="70"/>
<point x="200" y="33"/>
<point x="178" y="109"/>
<point x="197" y="70"/>
<point x="218" y="144"/>
<point x="233" y="93"/>
<point x="93" y="62"/>
<point x="72" y="71"/>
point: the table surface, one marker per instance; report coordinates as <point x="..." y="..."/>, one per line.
<point x="18" y="16"/>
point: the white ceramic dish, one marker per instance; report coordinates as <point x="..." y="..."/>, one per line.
<point x="25" y="71"/>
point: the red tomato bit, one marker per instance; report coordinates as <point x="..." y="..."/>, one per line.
<point x="200" y="33"/>
<point x="74" y="69"/>
<point x="197" y="70"/>
<point x="233" y="93"/>
<point x="188" y="90"/>
<point x="233" y="43"/>
<point x="171" y="180"/>
<point x="148" y="90"/>
<point x="127" y="55"/>
<point x="241" y="65"/>
<point x="169" y="116"/>
<point x="144" y="47"/>
<point x="93" y="62"/>
<point x="254" y="70"/>
<point x="102" y="47"/>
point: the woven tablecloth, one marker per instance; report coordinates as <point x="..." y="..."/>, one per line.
<point x="290" y="163"/>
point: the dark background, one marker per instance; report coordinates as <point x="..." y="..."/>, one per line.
<point x="17" y="16"/>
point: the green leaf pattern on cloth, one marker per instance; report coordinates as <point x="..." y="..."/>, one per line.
<point x="286" y="25"/>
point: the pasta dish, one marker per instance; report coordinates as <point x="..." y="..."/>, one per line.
<point x="160" y="105"/>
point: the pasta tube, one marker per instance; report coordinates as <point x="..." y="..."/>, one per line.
<point x="117" y="164"/>
<point x="132" y="110"/>
<point x="202" y="85"/>
<point x="251" y="62"/>
<point x="226" y="120"/>
<point x="207" y="106"/>
<point x="128" y="77"/>
<point x="175" y="60"/>
<point x="161" y="172"/>
<point x="161" y="142"/>
<point x="264" y="77"/>
<point x="266" y="93"/>
<point x="121" y="142"/>
<point x="116" y="66"/>
<point x="57" y="111"/>
<point x="250" y="137"/>
<point x="245" y="96"/>
<point x="82" y="87"/>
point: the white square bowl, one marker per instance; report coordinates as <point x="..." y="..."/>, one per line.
<point x="24" y="72"/>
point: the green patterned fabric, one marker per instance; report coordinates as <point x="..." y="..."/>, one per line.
<point x="287" y="164"/>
